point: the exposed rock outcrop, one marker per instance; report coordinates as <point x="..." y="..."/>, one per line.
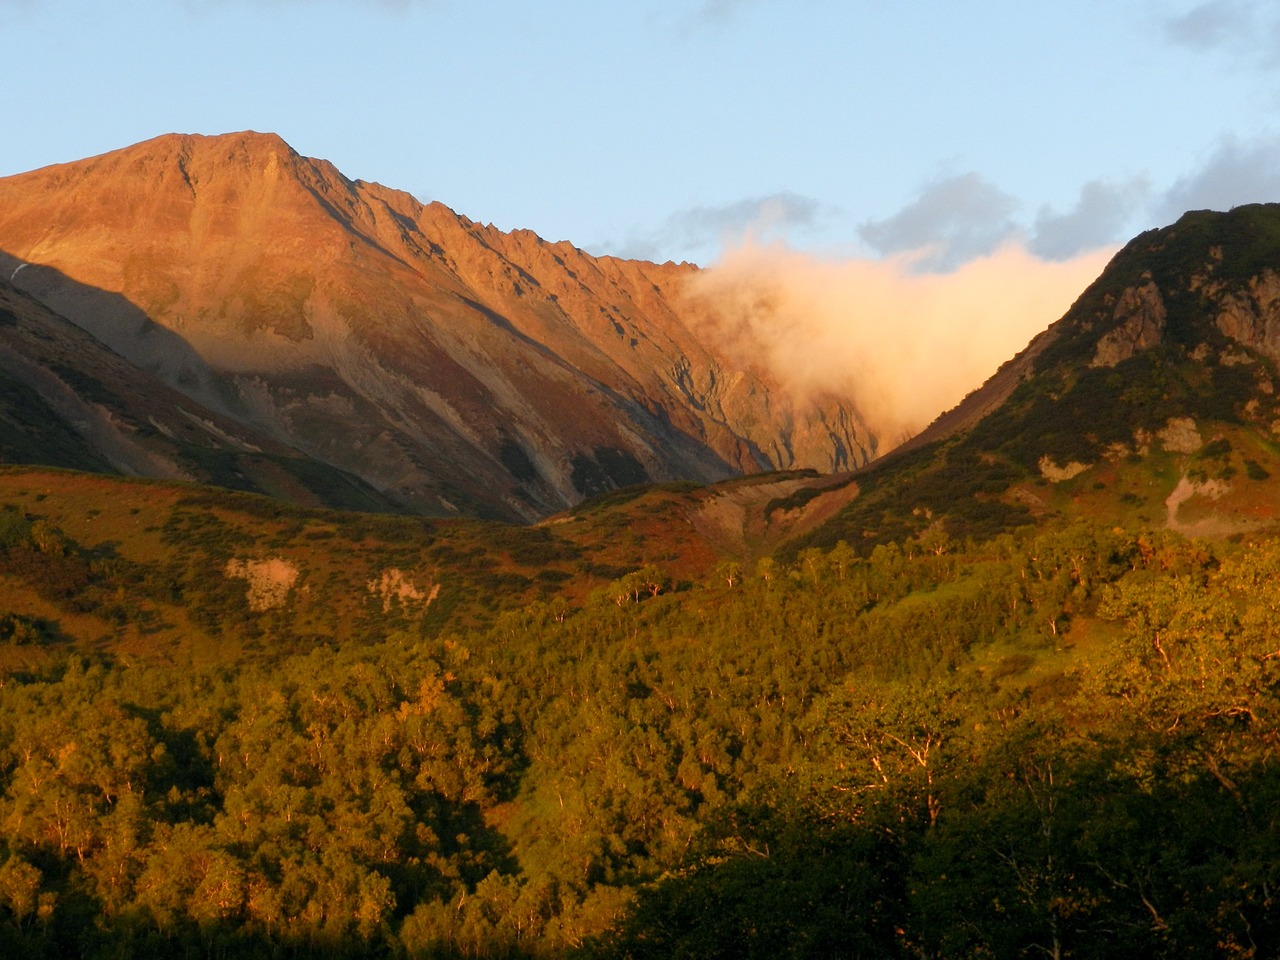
<point x="1141" y="314"/>
<point x="269" y="581"/>
<point x="1180" y="435"/>
<point x="395" y="589"/>
<point x="1057" y="474"/>
<point x="1251" y="316"/>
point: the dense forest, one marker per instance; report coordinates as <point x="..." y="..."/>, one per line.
<point x="986" y="696"/>
<point x="1059" y="743"/>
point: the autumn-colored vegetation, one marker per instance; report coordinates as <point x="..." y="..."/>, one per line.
<point x="1054" y="742"/>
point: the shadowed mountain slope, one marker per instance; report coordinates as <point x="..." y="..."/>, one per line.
<point x="66" y="400"/>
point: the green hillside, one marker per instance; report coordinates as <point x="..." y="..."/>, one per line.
<point x="1103" y="427"/>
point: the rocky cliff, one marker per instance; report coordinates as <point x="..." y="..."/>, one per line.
<point x="451" y="365"/>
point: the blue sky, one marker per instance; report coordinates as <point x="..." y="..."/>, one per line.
<point x="670" y="130"/>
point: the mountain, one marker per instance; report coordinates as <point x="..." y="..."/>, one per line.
<point x="235" y="725"/>
<point x="452" y="367"/>
<point x="1152" y="401"/>
<point x="67" y="400"/>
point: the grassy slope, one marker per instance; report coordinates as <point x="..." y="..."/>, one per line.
<point x="170" y="543"/>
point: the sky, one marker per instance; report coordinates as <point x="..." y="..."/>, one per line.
<point x="674" y="130"/>
<point x="932" y="152"/>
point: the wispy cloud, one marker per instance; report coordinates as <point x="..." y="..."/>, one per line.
<point x="1248" y="31"/>
<point x="393" y="5"/>
<point x="1236" y="172"/>
<point x="712" y="229"/>
<point x="721" y="10"/>
<point x="958" y="218"/>
<point x="952" y="221"/>
<point x="1215" y="23"/>
<point x="961" y="218"/>
<point x="1101" y="216"/>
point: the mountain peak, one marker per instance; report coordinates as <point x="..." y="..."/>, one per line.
<point x="242" y="148"/>
<point x="250" y="141"/>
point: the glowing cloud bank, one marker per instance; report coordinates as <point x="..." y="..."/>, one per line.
<point x="902" y="347"/>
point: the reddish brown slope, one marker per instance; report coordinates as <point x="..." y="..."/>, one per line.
<point x="428" y="354"/>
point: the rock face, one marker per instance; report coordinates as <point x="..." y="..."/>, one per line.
<point x="1140" y="315"/>
<point x="454" y="367"/>
<point x="1251" y="315"/>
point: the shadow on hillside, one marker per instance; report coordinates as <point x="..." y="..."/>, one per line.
<point x="124" y="327"/>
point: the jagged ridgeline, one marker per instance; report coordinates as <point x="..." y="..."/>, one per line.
<point x="1153" y="401"/>
<point x="375" y="348"/>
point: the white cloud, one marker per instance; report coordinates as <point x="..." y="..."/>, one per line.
<point x="900" y="345"/>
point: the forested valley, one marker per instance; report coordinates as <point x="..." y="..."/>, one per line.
<point x="1057" y="742"/>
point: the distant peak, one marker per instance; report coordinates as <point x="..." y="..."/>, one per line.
<point x="243" y="147"/>
<point x="250" y="139"/>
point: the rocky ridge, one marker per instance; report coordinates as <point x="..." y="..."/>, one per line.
<point x="454" y="367"/>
